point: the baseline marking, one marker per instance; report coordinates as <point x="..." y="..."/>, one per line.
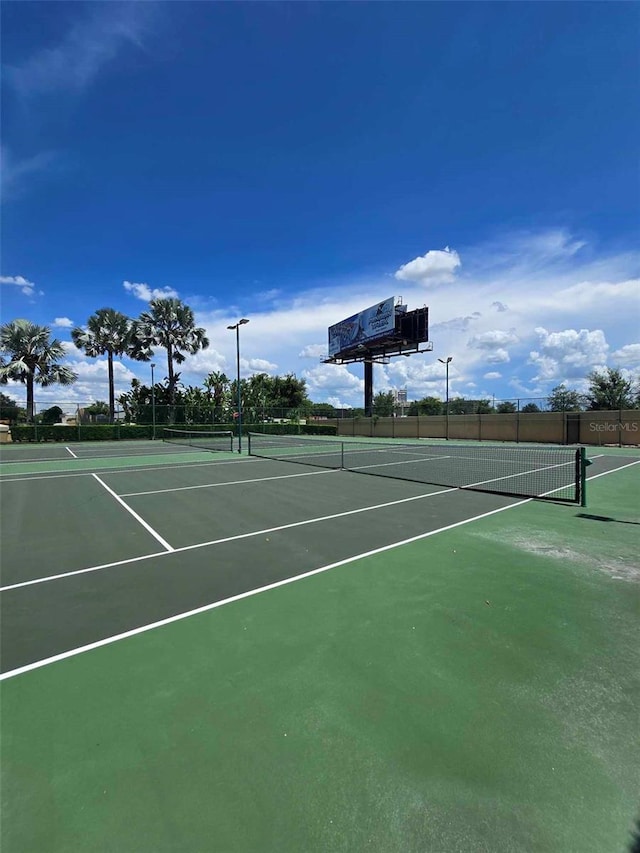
<point x="138" y="518"/>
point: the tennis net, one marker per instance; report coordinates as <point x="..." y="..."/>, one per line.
<point x="554" y="472"/>
<point x="200" y="439"/>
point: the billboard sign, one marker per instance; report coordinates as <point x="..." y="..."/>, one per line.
<point x="375" y="322"/>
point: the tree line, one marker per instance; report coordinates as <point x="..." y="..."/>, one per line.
<point x="28" y="354"/>
<point x="608" y="390"/>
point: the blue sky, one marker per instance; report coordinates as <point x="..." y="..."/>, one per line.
<point x="294" y="163"/>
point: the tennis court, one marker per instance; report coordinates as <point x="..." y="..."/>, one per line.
<point x="207" y="651"/>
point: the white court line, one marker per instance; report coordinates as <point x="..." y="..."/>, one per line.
<point x="71" y="452"/>
<point x="138" y="518"/>
<point x="613" y="470"/>
<point x="133" y="469"/>
<point x="48" y="578"/>
<point x="250" y="593"/>
<point x="230" y="483"/>
<point x="61" y="576"/>
<point x="403" y="462"/>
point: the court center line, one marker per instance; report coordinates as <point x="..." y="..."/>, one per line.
<point x="229" y="483"/>
<point x="288" y="526"/>
<point x="71" y="452"/>
<point x="132" y="512"/>
<point x="250" y="593"/>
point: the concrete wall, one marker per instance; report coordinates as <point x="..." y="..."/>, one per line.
<point x="596" y="428"/>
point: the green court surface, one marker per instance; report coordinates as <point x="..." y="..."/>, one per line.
<point x="214" y="653"/>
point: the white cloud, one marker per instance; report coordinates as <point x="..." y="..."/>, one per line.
<point x="456" y="324"/>
<point x="493" y="339"/>
<point x="94" y="41"/>
<point x="27" y="287"/>
<point x="202" y="363"/>
<point x="499" y="356"/>
<point x="16" y="174"/>
<point x="337" y="403"/>
<point x="568" y="354"/>
<point x="493" y="374"/>
<point x="315" y="351"/>
<point x="63" y="323"/>
<point x="261" y="365"/>
<point x="546" y="281"/>
<point x="333" y="380"/>
<point x="499" y="306"/>
<point x="435" y="267"/>
<point x="627" y="356"/>
<point x="146" y="293"/>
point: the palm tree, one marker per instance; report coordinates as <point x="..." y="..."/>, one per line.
<point x="218" y="383"/>
<point x="169" y="323"/>
<point x="108" y="332"/>
<point x="32" y="358"/>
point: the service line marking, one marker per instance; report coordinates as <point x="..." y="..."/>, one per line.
<point x="71" y="452"/>
<point x="137" y="517"/>
<point x="230" y="483"/>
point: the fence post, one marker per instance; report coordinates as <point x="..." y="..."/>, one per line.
<point x="620" y="427"/>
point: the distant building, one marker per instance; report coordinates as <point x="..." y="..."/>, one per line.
<point x="399" y="401"/>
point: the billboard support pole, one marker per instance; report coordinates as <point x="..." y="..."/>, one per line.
<point x="368" y="388"/>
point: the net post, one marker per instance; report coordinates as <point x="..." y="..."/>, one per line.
<point x="582" y="454"/>
<point x="248" y="443"/>
<point x="342" y="455"/>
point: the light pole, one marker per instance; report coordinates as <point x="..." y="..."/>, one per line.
<point x="153" y="403"/>
<point x="236" y="326"/>
<point x="446" y="363"/>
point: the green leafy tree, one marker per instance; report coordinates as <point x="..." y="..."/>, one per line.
<point x="258" y="392"/>
<point x="52" y="415"/>
<point x="108" y="332"/>
<point x="28" y="354"/>
<point x="530" y="407"/>
<point x="170" y="324"/>
<point x="609" y="390"/>
<point x="460" y="406"/>
<point x="98" y="410"/>
<point x="427" y="406"/>
<point x="562" y="399"/>
<point x="217" y="387"/>
<point x="506" y="407"/>
<point x="9" y="409"/>
<point x="383" y="404"/>
<point x="289" y="393"/>
<point x="139" y="403"/>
